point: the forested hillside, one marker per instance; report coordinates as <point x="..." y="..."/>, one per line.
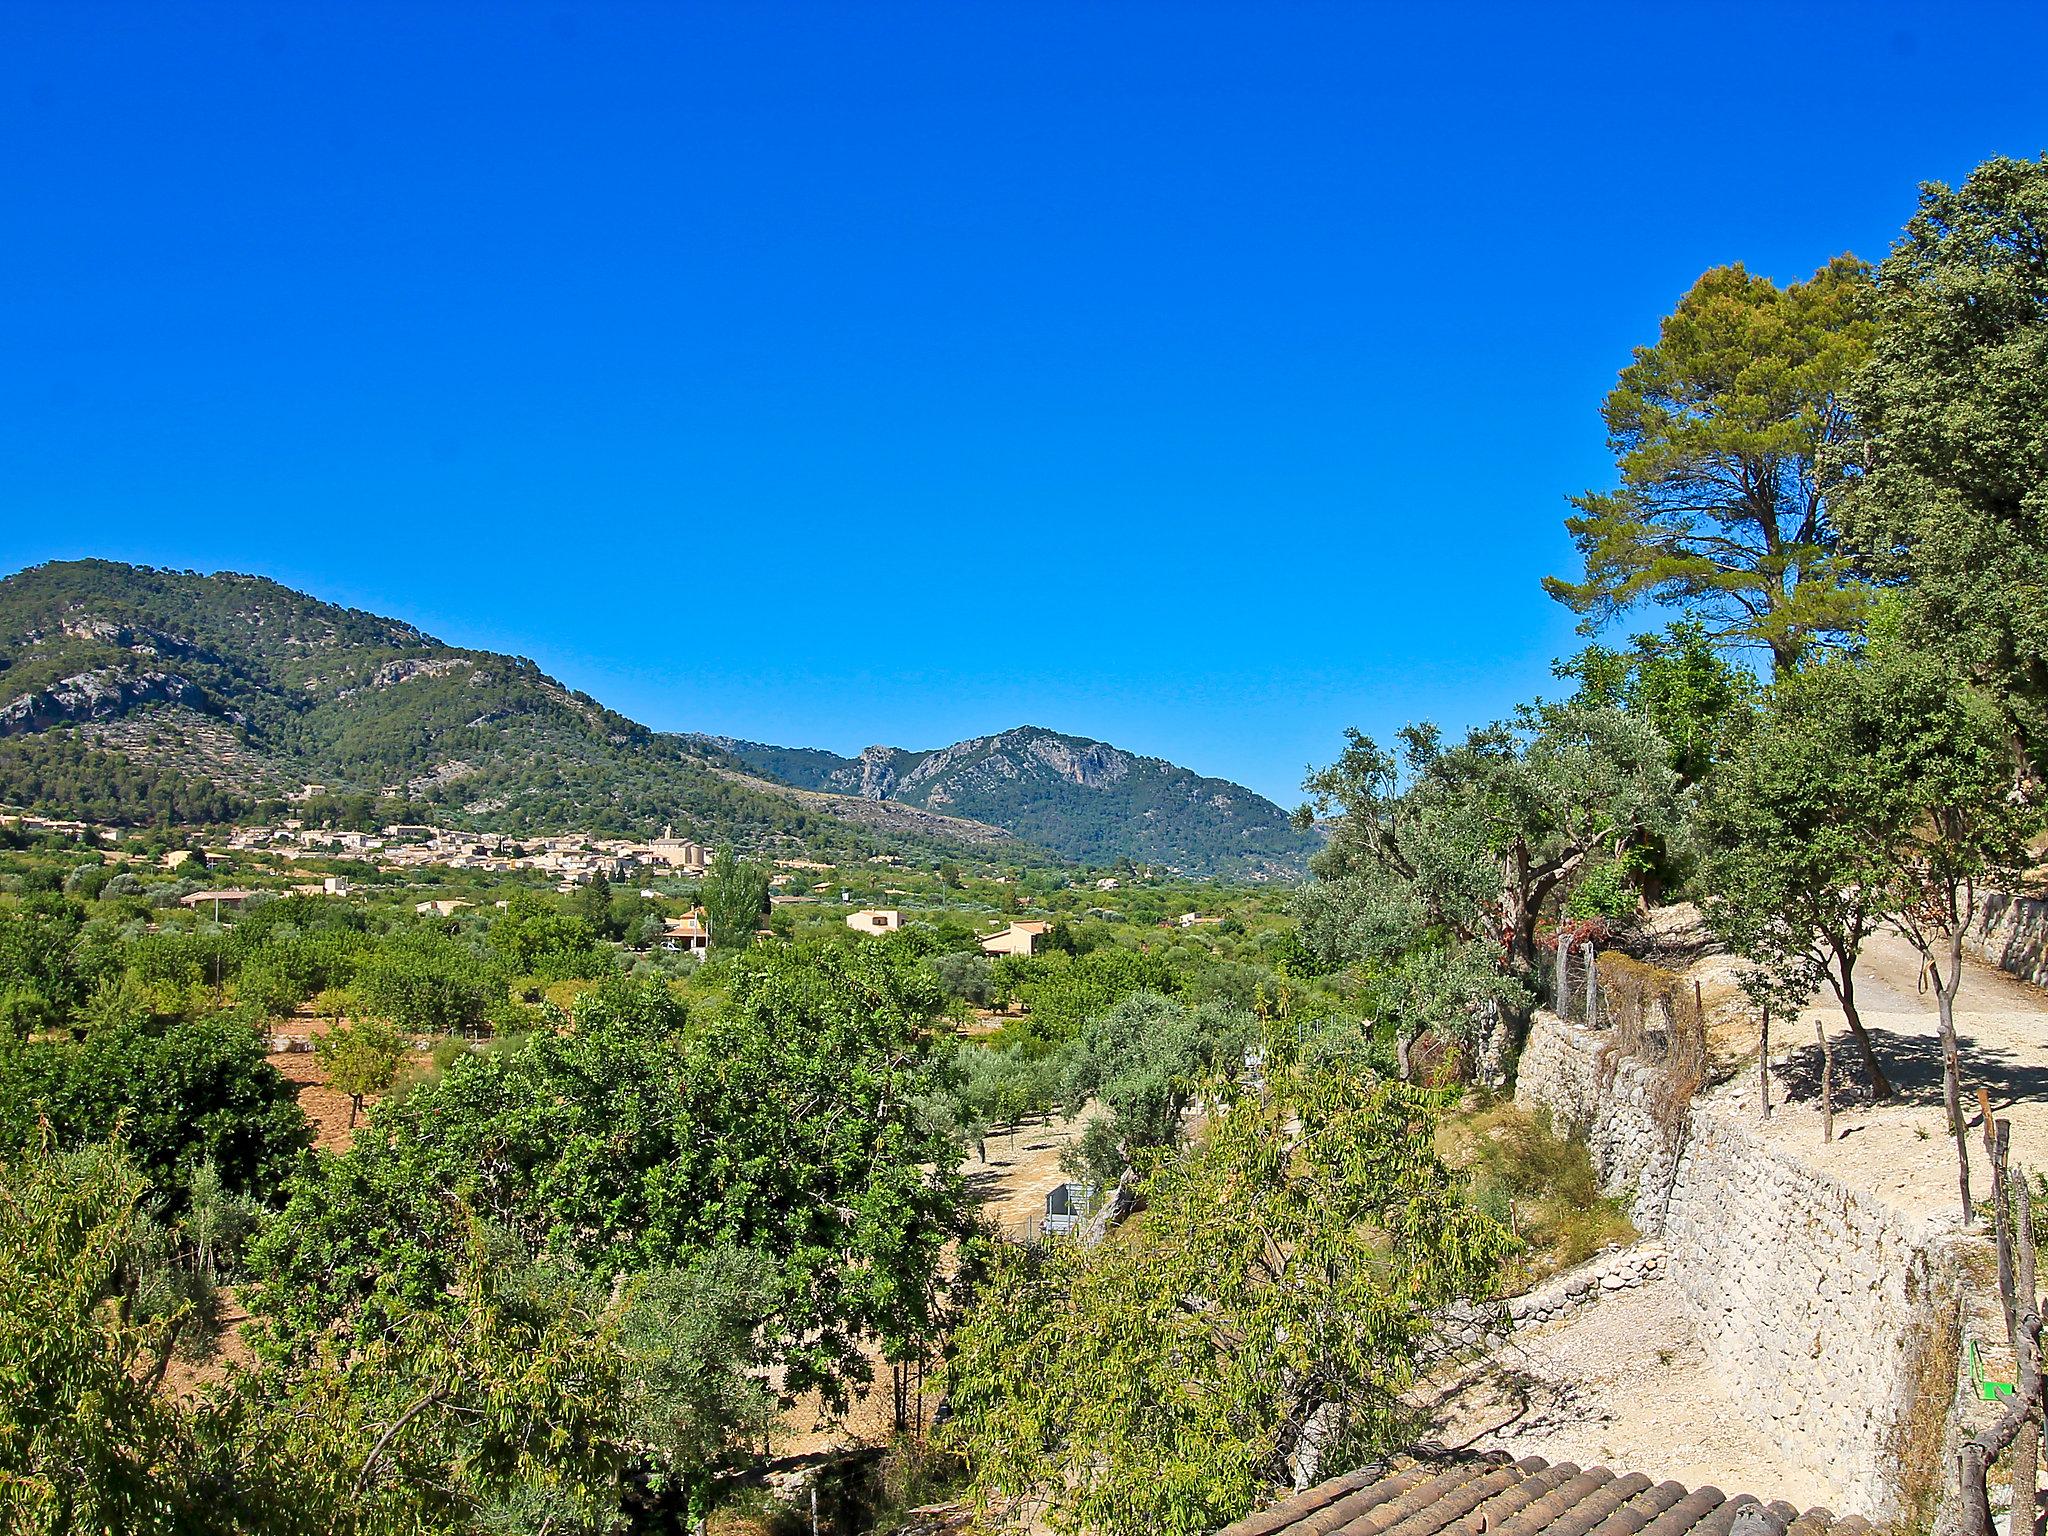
<point x="144" y="695"/>
<point x="1084" y="799"/>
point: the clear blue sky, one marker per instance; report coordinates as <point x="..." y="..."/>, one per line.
<point x="1203" y="377"/>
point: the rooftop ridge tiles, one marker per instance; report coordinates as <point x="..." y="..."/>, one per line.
<point x="1510" y="1501"/>
<point x="1447" y="1510"/>
<point x="1537" y="1517"/>
<point x="1631" y="1517"/>
<point x="1598" y="1505"/>
<point x="1375" y="1519"/>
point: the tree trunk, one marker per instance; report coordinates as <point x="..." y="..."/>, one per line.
<point x="1880" y="1085"/>
<point x="1763" y="1062"/>
<point x="1952" y="1068"/>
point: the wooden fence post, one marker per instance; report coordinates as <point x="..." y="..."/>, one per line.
<point x="1827" y="1083"/>
<point x="2026" y="1449"/>
<point x="1763" y="1061"/>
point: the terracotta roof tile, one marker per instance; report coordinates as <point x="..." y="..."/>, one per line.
<point x="1492" y="1496"/>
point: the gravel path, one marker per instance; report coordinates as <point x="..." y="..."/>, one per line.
<point x="1622" y="1384"/>
<point x="1900" y="1149"/>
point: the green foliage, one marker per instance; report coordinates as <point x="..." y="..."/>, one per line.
<point x="1945" y="487"/>
<point x="1145" y="1059"/>
<point x="86" y="1442"/>
<point x="361" y="1059"/>
<point x="1064" y="991"/>
<point x="550" y="1400"/>
<point x="180" y="1092"/>
<point x="1716" y="431"/>
<point x="1797" y="820"/>
<point x="785" y="1124"/>
<point x="734" y="896"/>
<point x="1604" y="891"/>
<point x="1120" y="1385"/>
<point x="41" y="979"/>
<point x="1676" y="680"/>
<point x="1447" y="857"/>
<point x="428" y="984"/>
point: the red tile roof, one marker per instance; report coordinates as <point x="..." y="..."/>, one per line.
<point x="1492" y="1496"/>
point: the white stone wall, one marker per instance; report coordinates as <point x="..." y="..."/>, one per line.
<point x="2012" y="934"/>
<point x="1831" y="1317"/>
<point x="1633" y="1151"/>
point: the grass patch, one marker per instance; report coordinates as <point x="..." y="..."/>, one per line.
<point x="1539" y="1183"/>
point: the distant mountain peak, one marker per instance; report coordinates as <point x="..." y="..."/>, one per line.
<point x="1079" y="797"/>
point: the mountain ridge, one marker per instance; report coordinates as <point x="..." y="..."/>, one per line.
<point x="1081" y="797"/>
<point x="139" y="693"/>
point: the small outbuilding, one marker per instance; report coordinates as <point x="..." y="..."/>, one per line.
<point x="1017" y="939"/>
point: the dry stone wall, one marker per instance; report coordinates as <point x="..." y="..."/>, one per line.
<point x="1832" y="1318"/>
<point x="2012" y="934"/>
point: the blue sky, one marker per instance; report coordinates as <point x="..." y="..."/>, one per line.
<point x="1202" y="377"/>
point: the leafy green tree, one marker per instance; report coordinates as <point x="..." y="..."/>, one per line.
<point x="1258" y="1327"/>
<point x="734" y="894"/>
<point x="179" y="1091"/>
<point x="1063" y="991"/>
<point x="1677" y="680"/>
<point x="1799" y="819"/>
<point x="1466" y="846"/>
<point x="40" y="981"/>
<point x="428" y="984"/>
<point x="549" y="1399"/>
<point x="786" y="1124"/>
<point x="1959" y="824"/>
<point x="1945" y="485"/>
<point x="1145" y="1060"/>
<point x="1716" y="431"/>
<point x="87" y="1443"/>
<point x="361" y="1059"/>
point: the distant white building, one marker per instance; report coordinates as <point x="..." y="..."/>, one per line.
<point x="875" y="920"/>
<point x="335" y="885"/>
<point x="1017" y="939"/>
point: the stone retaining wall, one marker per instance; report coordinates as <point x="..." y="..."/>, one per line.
<point x="1469" y="1327"/>
<point x="1832" y="1318"/>
<point x="2012" y="934"/>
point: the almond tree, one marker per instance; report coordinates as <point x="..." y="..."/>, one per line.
<point x="1258" y="1326"/>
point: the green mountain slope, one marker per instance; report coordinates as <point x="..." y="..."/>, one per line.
<point x="128" y="693"/>
<point x="1083" y="799"/>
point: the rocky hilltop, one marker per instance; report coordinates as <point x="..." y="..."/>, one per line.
<point x="1084" y="799"/>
